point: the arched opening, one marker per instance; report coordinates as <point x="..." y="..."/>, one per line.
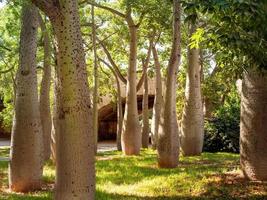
<point x="108" y="118"/>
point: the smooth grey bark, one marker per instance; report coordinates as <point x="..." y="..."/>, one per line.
<point x="131" y="129"/>
<point x="168" y="139"/>
<point x="54" y="119"/>
<point x="253" y="126"/>
<point x="95" y="92"/>
<point x="25" y="169"/>
<point x="158" y="101"/>
<point x="119" y="114"/>
<point x="145" y="128"/>
<point x="75" y="169"/>
<point x="45" y="111"/>
<point x="192" y="126"/>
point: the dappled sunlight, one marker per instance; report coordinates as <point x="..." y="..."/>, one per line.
<point x="209" y="176"/>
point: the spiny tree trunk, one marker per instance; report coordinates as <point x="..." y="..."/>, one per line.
<point x="26" y="143"/>
<point x="45" y="93"/>
<point x="253" y="127"/>
<point x="75" y="170"/>
<point x="157" y="101"/>
<point x="145" y="128"/>
<point x="192" y="133"/>
<point x="168" y="141"/>
<point x="131" y="131"/>
<point x="75" y="147"/>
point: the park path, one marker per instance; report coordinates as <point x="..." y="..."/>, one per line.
<point x="101" y="146"/>
<point x="4" y="143"/>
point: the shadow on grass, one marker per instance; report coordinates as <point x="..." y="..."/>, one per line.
<point x="209" y="176"/>
<point x="129" y="170"/>
<point x="107" y="196"/>
<point x="4" y="152"/>
<point x="234" y="186"/>
<point x="35" y="196"/>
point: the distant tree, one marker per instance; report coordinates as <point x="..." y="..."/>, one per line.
<point x="192" y="127"/>
<point x="168" y="141"/>
<point x="45" y="91"/>
<point x="158" y="101"/>
<point x="25" y="171"/>
<point x="239" y="28"/>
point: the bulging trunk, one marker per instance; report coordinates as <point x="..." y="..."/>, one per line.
<point x="192" y="133"/>
<point x="157" y="101"/>
<point x="75" y="170"/>
<point x="145" y="128"/>
<point x="253" y="127"/>
<point x="168" y="140"/>
<point x="25" y="170"/>
<point x="45" y="94"/>
<point x="131" y="130"/>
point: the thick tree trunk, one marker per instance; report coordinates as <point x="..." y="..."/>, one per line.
<point x="192" y="133"/>
<point x="26" y="143"/>
<point x="168" y="141"/>
<point x="45" y="93"/>
<point x="75" y="170"/>
<point x="158" y="101"/>
<point x="145" y="128"/>
<point x="131" y="131"/>
<point x="253" y="127"/>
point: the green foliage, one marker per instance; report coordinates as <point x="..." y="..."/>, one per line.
<point x="9" y="31"/>
<point x="222" y="131"/>
<point x="237" y="25"/>
<point x="197" y="38"/>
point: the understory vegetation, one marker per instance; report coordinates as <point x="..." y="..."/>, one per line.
<point x="209" y="176"/>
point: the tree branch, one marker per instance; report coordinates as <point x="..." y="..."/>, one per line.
<point x="4" y="47"/>
<point x="49" y="7"/>
<point x="6" y="71"/>
<point x="145" y="66"/>
<point x="113" y="11"/>
<point x="141" y="19"/>
<point x="90" y="46"/>
<point x="116" y="68"/>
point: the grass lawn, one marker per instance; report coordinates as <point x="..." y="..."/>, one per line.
<point x="210" y="176"/>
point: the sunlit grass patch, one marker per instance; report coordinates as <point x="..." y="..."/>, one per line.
<point x="209" y="176"/>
